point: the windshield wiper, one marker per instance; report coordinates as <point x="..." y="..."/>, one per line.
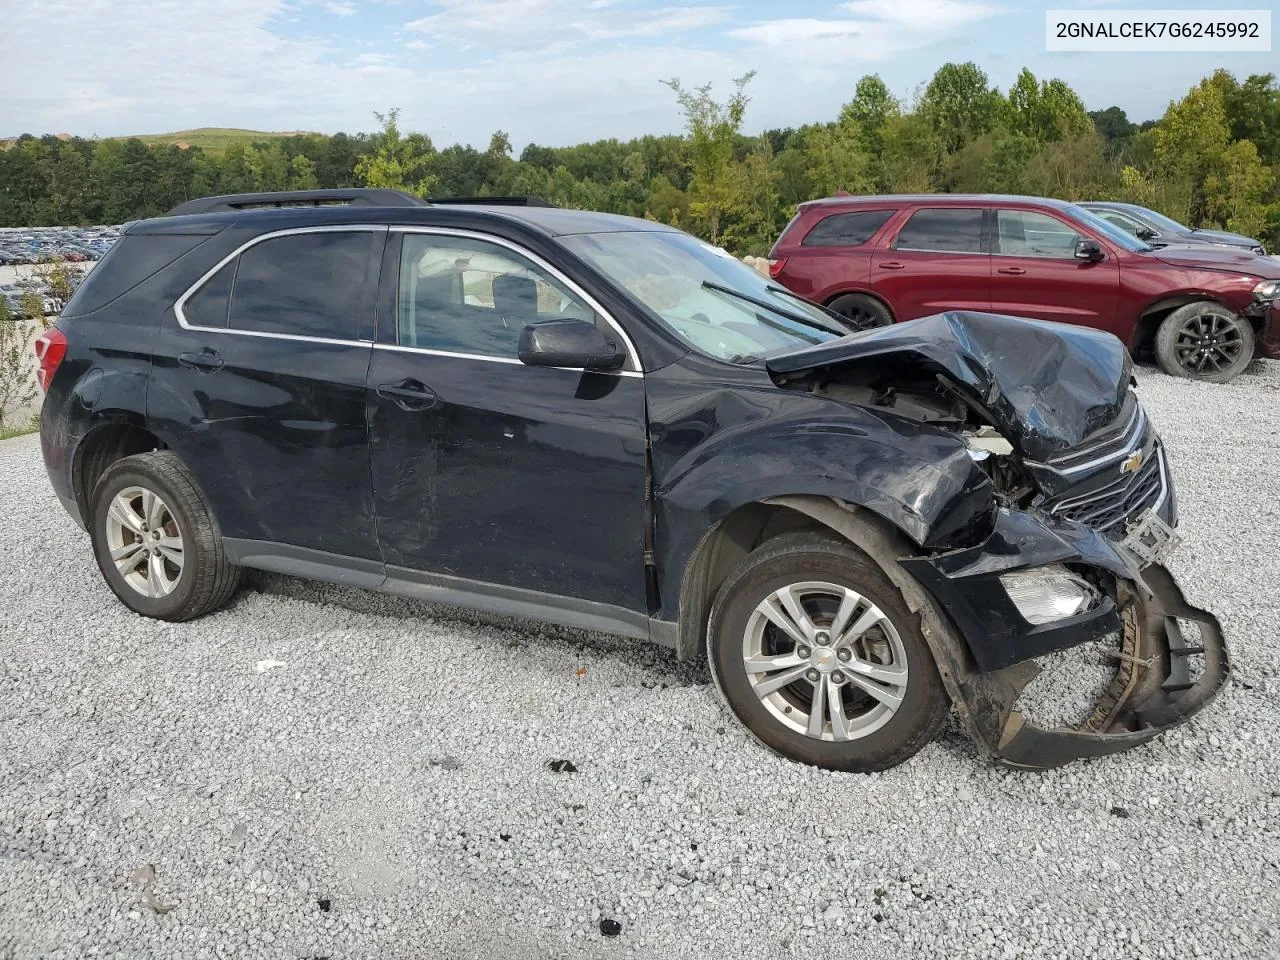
<point x="766" y="305"/>
<point x="774" y="288"/>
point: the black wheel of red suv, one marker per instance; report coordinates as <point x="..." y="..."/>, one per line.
<point x="815" y="650"/>
<point x="156" y="542"/>
<point x="1205" y="341"/>
<point x="862" y="311"/>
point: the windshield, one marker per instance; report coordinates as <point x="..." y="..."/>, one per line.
<point x="1117" y="235"/>
<point x="1163" y="222"/>
<point x="676" y="276"/>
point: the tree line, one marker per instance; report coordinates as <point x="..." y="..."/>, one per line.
<point x="1211" y="160"/>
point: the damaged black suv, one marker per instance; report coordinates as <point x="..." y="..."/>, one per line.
<point x="606" y="423"/>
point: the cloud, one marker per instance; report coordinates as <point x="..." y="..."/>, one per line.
<point x="341" y="9"/>
<point x="873" y="29"/>
<point x="506" y="26"/>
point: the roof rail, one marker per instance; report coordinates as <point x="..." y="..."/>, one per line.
<point x="355" y="196"/>
<point x="493" y="201"/>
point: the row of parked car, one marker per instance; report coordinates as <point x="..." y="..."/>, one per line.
<point x="1204" y="303"/>
<point x="40" y="244"/>
<point x="16" y="294"/>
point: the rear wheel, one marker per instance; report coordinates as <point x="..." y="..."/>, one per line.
<point x="1204" y="341"/>
<point x="155" y="540"/>
<point x="862" y="311"/>
<point x="815" y="651"/>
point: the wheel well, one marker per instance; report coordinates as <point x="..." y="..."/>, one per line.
<point x="1145" y="334"/>
<point x="862" y="293"/>
<point x="725" y="546"/>
<point x="103" y="447"/>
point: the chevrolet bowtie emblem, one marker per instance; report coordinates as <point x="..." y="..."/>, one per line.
<point x="1132" y="464"/>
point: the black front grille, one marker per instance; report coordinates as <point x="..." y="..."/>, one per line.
<point x="1110" y="508"/>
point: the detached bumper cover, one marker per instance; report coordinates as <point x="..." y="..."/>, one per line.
<point x="985" y="648"/>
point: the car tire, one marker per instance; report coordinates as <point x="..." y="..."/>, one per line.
<point x="862" y="311"/>
<point x="156" y="541"/>
<point x="822" y="573"/>
<point x="1204" y="341"/>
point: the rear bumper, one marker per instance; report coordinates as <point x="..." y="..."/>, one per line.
<point x="1154" y="687"/>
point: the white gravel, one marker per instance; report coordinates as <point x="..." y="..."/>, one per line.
<point x="316" y="744"/>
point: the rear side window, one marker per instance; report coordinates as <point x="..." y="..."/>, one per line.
<point x="943" y="230"/>
<point x="207" y="307"/>
<point x="846" y="229"/>
<point x="131" y="260"/>
<point x="306" y="284"/>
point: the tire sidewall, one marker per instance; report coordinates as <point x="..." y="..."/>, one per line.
<point x="1166" y="342"/>
<point x="130" y="473"/>
<point x="883" y="318"/>
<point x="903" y="735"/>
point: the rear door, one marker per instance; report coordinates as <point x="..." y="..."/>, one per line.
<point x="487" y="471"/>
<point x="259" y="384"/>
<point x="1035" y="273"/>
<point x="936" y="260"/>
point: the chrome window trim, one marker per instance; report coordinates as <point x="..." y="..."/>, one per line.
<point x="633" y="356"/>
<point x="427" y="351"/>
<point x="292" y="231"/>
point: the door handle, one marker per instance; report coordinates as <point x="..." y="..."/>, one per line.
<point x="206" y="360"/>
<point x="1013" y="271"/>
<point x="891" y="265"/>
<point x="408" y="394"/>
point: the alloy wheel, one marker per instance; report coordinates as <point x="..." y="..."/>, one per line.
<point x="825" y="661"/>
<point x="1207" y="343"/>
<point x="145" y="542"/>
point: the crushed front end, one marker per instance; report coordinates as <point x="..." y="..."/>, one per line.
<point x="1082" y="512"/>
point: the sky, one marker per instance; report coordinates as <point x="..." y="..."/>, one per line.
<point x="553" y="72"/>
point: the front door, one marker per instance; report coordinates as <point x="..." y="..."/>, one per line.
<point x="935" y="261"/>
<point x="1035" y="272"/>
<point x="260" y="387"/>
<point x="488" y="470"/>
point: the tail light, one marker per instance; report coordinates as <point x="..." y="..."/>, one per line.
<point x="775" y="266"/>
<point x="50" y="347"/>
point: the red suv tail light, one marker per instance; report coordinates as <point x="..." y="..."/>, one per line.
<point x="775" y="266"/>
<point x="50" y="347"/>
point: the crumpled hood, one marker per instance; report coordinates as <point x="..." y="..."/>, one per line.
<point x="1046" y="386"/>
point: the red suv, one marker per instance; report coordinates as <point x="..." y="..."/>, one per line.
<point x="1205" y="313"/>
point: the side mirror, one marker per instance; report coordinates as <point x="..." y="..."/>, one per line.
<point x="571" y="343"/>
<point x="1146" y="233"/>
<point x="1088" y="250"/>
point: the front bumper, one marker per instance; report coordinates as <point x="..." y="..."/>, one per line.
<point x="1154" y="687"/>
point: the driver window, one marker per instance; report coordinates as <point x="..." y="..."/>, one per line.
<point x="1024" y="233"/>
<point x="472" y="296"/>
<point x="1123" y="222"/>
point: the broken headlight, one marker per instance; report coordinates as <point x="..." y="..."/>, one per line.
<point x="1267" y="290"/>
<point x="1046" y="594"/>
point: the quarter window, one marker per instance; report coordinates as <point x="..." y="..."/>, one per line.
<point x="208" y="306"/>
<point x="472" y="296"/>
<point x="942" y="230"/>
<point x="1024" y="233"/>
<point x="846" y="229"/>
<point x="306" y="284"/>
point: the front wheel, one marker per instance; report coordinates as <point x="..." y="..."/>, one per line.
<point x="815" y="651"/>
<point x="1204" y="341"/>
<point x="861" y="311"/>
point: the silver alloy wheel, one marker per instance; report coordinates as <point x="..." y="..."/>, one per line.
<point x="145" y="542"/>
<point x="833" y="668"/>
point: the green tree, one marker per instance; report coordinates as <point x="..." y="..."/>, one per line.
<point x="396" y="162"/>
<point x="960" y="103"/>
<point x="712" y="128"/>
<point x="836" y="160"/>
<point x="1235" y="195"/>
<point x="869" y="110"/>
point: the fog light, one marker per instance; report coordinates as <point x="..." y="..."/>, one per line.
<point x="1046" y="594"/>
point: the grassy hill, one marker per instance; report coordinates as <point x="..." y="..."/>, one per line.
<point x="210" y="139"/>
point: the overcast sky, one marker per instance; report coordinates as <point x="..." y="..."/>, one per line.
<point x="548" y="71"/>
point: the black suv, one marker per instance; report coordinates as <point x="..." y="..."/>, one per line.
<point x="607" y="423"/>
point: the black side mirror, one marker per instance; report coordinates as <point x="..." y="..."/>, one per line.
<point x="571" y="343"/>
<point x="1146" y="233"/>
<point x="1088" y="250"/>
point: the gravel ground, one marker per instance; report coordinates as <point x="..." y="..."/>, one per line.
<point x="316" y="772"/>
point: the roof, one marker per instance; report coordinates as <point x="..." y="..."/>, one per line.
<point x="941" y="199"/>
